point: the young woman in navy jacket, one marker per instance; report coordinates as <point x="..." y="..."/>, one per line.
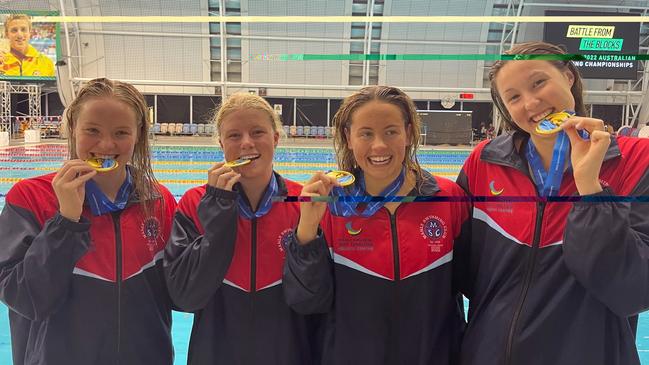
<point x="225" y="256"/>
<point x="81" y="253"/>
<point x="381" y="270"/>
<point x="553" y="281"/>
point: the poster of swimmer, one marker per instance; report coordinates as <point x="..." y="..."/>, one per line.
<point x="29" y="45"/>
<point x="609" y="50"/>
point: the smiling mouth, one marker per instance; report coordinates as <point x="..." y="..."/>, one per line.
<point x="379" y="161"/>
<point x="250" y="157"/>
<point x="541" y="117"/>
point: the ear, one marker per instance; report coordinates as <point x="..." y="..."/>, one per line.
<point x="275" y="139"/>
<point x="570" y="77"/>
<point x="220" y="143"/>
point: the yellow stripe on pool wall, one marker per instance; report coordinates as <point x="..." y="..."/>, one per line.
<point x="339" y="19"/>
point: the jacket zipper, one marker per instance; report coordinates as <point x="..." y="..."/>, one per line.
<point x="253" y="257"/>
<point x="118" y="278"/>
<point x="527" y="281"/>
<point x="393" y="356"/>
<point x="395" y="245"/>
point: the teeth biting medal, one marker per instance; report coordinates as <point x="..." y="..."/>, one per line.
<point x="239" y="162"/>
<point x="343" y="177"/>
<point x="102" y="164"/>
<point x="552" y="123"/>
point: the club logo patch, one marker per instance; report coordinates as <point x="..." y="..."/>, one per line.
<point x="493" y="189"/>
<point x="433" y="228"/>
<point x="284" y="239"/>
<point x="351" y="230"/>
<point x="150" y="229"/>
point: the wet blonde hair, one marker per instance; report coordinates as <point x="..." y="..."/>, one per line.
<point x="536" y="48"/>
<point x="13" y="17"/>
<point x="241" y="101"/>
<point x="385" y="94"/>
<point x="144" y="182"/>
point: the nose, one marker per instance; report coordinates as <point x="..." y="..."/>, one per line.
<point x="107" y="144"/>
<point x="378" y="143"/>
<point x="246" y="141"/>
<point x="531" y="102"/>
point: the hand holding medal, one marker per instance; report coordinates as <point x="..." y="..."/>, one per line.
<point x="587" y="156"/>
<point x="222" y="176"/>
<point x="586" y="165"/>
<point x="311" y="212"/>
<point x="344" y="178"/>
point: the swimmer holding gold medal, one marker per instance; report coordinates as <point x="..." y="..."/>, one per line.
<point x="350" y="258"/>
<point x="547" y="277"/>
<point x="226" y="254"/>
<point x="80" y="261"/>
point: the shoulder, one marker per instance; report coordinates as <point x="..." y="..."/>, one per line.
<point x="293" y="188"/>
<point x="448" y="186"/>
<point x="35" y="190"/>
<point x="192" y="196"/>
<point x="165" y="193"/>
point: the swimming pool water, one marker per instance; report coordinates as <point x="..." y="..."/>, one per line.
<point x="180" y="168"/>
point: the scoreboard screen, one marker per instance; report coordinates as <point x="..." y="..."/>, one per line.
<point x="610" y="49"/>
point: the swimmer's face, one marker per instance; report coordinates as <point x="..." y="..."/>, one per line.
<point x="18" y="32"/>
<point x="531" y="90"/>
<point x="378" y="138"/>
<point x="248" y="134"/>
<point x="106" y="128"/>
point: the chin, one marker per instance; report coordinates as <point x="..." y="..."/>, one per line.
<point x="252" y="174"/>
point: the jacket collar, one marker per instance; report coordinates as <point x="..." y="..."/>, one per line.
<point x="506" y="149"/>
<point x="426" y="185"/>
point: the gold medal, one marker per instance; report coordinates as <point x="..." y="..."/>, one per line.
<point x="237" y="163"/>
<point x="343" y="177"/>
<point x="101" y="164"/>
<point x="552" y="123"/>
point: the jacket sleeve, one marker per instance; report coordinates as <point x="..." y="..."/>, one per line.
<point x="195" y="263"/>
<point x="37" y="263"/>
<point x="606" y="247"/>
<point x="308" y="276"/>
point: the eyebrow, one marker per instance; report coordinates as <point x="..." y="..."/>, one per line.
<point x="389" y="126"/>
<point x="538" y="72"/>
<point x="95" y="124"/>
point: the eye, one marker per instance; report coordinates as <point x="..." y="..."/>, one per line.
<point x="391" y="132"/>
<point x="259" y="132"/>
<point x="539" y="82"/>
<point x="92" y="130"/>
<point x="123" y="133"/>
<point x="233" y="135"/>
<point x="513" y="98"/>
<point x="365" y="134"/>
